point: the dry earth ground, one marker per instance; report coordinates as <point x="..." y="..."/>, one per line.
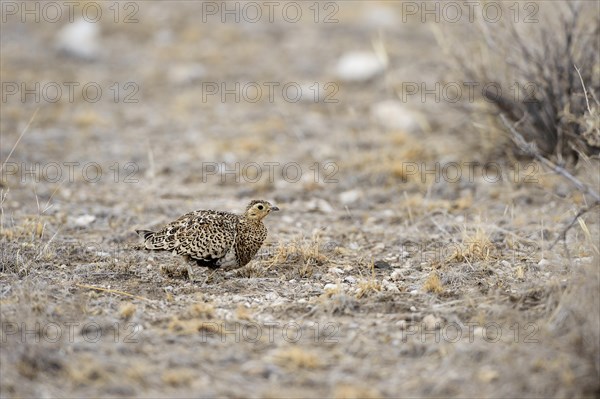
<point x="382" y="275"/>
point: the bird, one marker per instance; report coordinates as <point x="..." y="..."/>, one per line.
<point x="214" y="239"/>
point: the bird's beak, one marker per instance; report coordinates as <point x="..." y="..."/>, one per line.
<point x="274" y="208"/>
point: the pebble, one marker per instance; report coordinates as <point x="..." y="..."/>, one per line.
<point x="381" y="17"/>
<point x="396" y="275"/>
<point x="401" y="324"/>
<point x="544" y="263"/>
<point x="83" y="220"/>
<point x="505" y="263"/>
<point x="359" y="66"/>
<point x="330" y="287"/>
<point x="336" y="270"/>
<point x="379" y="246"/>
<point x="80" y="39"/>
<point x="182" y="74"/>
<point x="393" y="115"/>
<point x="390" y="286"/>
<point x="413" y="309"/>
<point x="271" y="296"/>
<point x="320" y="205"/>
<point x="349" y="197"/>
<point x="381" y="264"/>
<point x="431" y="322"/>
<point x="350" y="280"/>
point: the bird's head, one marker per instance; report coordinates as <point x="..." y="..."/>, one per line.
<point x="258" y="209"/>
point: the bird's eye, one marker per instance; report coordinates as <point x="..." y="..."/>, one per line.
<point x="260" y="207"/>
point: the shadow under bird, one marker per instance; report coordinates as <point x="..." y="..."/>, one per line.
<point x="214" y="239"/>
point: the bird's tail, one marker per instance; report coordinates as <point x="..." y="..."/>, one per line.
<point x="145" y="234"/>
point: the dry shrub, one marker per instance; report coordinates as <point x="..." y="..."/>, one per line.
<point x="541" y="69"/>
<point x="576" y="320"/>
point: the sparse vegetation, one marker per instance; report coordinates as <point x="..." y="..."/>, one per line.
<point x="377" y="279"/>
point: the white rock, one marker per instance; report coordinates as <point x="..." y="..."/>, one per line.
<point x="80" y="39"/>
<point x="319" y="204"/>
<point x="396" y="275"/>
<point x="272" y="296"/>
<point x="359" y="66"/>
<point x="392" y="114"/>
<point x="186" y="73"/>
<point x="313" y="92"/>
<point x="349" y="197"/>
<point x="330" y="287"/>
<point x="350" y="280"/>
<point x="336" y="270"/>
<point x="505" y="263"/>
<point x="544" y="263"/>
<point x="432" y="323"/>
<point x="83" y="220"/>
<point x="381" y="17"/>
<point x="390" y="287"/>
<point x="413" y="309"/>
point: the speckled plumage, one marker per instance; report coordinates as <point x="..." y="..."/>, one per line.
<point x="214" y="238"/>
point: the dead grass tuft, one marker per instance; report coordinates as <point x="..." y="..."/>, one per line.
<point x="304" y="254"/>
<point x="348" y="391"/>
<point x="127" y="310"/>
<point x="298" y="358"/>
<point x="368" y="287"/>
<point x="201" y="310"/>
<point x="476" y="246"/>
<point x="433" y="284"/>
<point x="179" y="377"/>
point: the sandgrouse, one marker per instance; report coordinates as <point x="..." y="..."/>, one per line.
<point x="214" y="238"/>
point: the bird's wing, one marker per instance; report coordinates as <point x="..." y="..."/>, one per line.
<point x="204" y="235"/>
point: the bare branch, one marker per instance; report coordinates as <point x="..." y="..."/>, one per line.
<point x="531" y="150"/>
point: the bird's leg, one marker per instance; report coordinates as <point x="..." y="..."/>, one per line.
<point x="190" y="272"/>
<point x="189" y="267"/>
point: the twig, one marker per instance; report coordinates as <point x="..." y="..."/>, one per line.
<point x="19" y="139"/>
<point x="531" y="149"/>
<point x="563" y="235"/>
<point x="91" y="287"/>
<point x="585" y="93"/>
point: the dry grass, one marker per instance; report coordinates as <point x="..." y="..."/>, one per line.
<point x="178" y="337"/>
<point x="368" y="287"/>
<point x="298" y="358"/>
<point x="476" y="246"/>
<point x="433" y="284"/>
<point x="303" y="254"/>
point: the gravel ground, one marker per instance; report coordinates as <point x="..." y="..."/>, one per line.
<point x="408" y="259"/>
